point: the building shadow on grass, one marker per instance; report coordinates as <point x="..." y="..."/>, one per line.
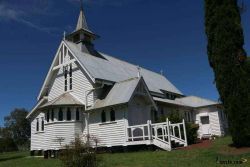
<point x="11" y="158"/>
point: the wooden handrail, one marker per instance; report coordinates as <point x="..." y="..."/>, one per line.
<point x="166" y="132"/>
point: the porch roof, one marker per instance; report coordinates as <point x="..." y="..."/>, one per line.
<point x="64" y="99"/>
<point x="119" y="94"/>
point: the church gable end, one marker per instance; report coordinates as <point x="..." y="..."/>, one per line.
<point x="67" y="75"/>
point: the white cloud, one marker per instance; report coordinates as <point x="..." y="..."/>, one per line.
<point x="9" y="14"/>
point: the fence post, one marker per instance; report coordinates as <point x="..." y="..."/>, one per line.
<point x="169" y="138"/>
<point x="126" y="129"/>
<point x="184" y="130"/>
<point x="149" y="130"/>
<point x="179" y="130"/>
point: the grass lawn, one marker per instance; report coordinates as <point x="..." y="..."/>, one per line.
<point x="200" y="157"/>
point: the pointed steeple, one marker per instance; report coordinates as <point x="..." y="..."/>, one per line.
<point x="83" y="37"/>
<point x="82" y="23"/>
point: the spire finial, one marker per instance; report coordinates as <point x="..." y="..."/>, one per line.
<point x="64" y="35"/>
<point x="81" y="5"/>
<point x="81" y="23"/>
<point x="138" y="71"/>
<point x="162" y="72"/>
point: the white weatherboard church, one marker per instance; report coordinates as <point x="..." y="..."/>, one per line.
<point x="91" y="94"/>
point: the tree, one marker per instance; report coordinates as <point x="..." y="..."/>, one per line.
<point x="231" y="68"/>
<point x="18" y="126"/>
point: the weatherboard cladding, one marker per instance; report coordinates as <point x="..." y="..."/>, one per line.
<point x="115" y="70"/>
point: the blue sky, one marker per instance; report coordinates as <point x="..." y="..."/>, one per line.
<point x="155" y="34"/>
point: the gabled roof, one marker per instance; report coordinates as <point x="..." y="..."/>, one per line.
<point x="115" y="70"/>
<point x="121" y="93"/>
<point x="42" y="101"/>
<point x="168" y="101"/>
<point x="189" y="101"/>
<point x="110" y="69"/>
<point x="64" y="99"/>
<point x="195" y="101"/>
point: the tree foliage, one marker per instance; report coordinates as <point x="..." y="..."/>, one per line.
<point x="17" y="127"/>
<point x="228" y="59"/>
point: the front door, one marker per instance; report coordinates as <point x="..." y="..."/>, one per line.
<point x="205" y="125"/>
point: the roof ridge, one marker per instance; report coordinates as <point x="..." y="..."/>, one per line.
<point x="130" y="79"/>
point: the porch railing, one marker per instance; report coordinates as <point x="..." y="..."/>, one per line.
<point x="162" y="133"/>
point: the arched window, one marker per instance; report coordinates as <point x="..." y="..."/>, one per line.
<point x="103" y="116"/>
<point x="52" y="114"/>
<point x="42" y="124"/>
<point x="65" y="79"/>
<point x="155" y="115"/>
<point x="60" y="115"/>
<point x="112" y="115"/>
<point x="68" y="114"/>
<point x="37" y="124"/>
<point x="77" y="114"/>
<point x="70" y="77"/>
<point x="47" y="116"/>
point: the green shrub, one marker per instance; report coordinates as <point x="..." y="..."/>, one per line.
<point x="174" y="117"/>
<point x="78" y="154"/>
<point x="7" y="145"/>
<point x="191" y="130"/>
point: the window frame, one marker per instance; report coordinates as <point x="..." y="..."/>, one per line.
<point x="66" y="78"/>
<point x="77" y="114"/>
<point x="112" y="115"/>
<point x="68" y="114"/>
<point x="48" y="116"/>
<point x="42" y="124"/>
<point x="60" y="114"/>
<point x="37" y="125"/>
<point x="103" y="116"/>
<point x="202" y="120"/>
<point x="52" y="115"/>
<point x="70" y="77"/>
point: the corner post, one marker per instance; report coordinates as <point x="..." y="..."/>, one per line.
<point x="184" y="130"/>
<point x="168" y="129"/>
<point x="126" y="129"/>
<point x="149" y="130"/>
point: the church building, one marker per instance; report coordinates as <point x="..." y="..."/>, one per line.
<point x="111" y="102"/>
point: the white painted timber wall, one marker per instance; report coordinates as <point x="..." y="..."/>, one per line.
<point x="67" y="130"/>
<point x="108" y="133"/>
<point x="48" y="139"/>
<point x="80" y="83"/>
<point x="215" y="123"/>
<point x="138" y="112"/>
<point x="37" y="138"/>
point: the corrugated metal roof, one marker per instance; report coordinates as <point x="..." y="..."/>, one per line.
<point x="174" y="102"/>
<point x="64" y="99"/>
<point x="119" y="94"/>
<point x="189" y="101"/>
<point x="195" y="101"/>
<point x="113" y="69"/>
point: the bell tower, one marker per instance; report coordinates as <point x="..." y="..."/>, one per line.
<point x="83" y="36"/>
